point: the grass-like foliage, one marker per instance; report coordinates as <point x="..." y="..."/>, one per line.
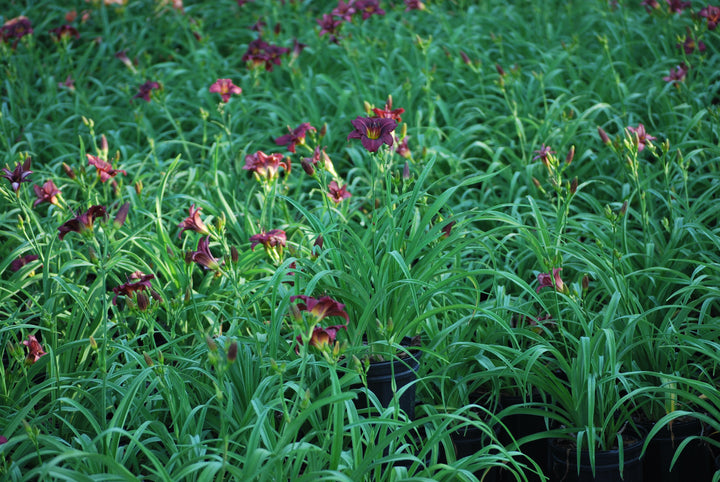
<point x="216" y="216"/>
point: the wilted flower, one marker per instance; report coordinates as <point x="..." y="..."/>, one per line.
<point x="35" y="349"/>
<point x="133" y="287"/>
<point x="18" y="175"/>
<point x="275" y="238"/>
<point x="373" y="132"/>
<point x="193" y="222"/>
<point x="145" y="89"/>
<point x="388" y="112"/>
<point x="203" y="256"/>
<point x="104" y="168"/>
<point x="678" y="74"/>
<point x="336" y="193"/>
<point x="295" y="136"/>
<point x="15" y="29"/>
<point x="320" y="308"/>
<point x="368" y="8"/>
<point x="122" y="56"/>
<point x="47" y="193"/>
<point x="641" y="137"/>
<point x="225" y="88"/>
<point x="712" y="14"/>
<point x="82" y="222"/>
<point x="548" y="280"/>
<point x="64" y="32"/>
<point x="18" y="263"/>
<point x="264" y="166"/>
<point x="403" y="149"/>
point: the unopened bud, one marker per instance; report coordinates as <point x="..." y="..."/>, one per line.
<point x="68" y="171"/>
<point x="138" y="187"/>
<point x="368" y="108"/>
<point x="585" y="282"/>
<point x="537" y="183"/>
<point x="603" y="136"/>
<point x="121" y="215"/>
<point x="623" y="209"/>
<point x="573" y="185"/>
<point x="148" y="360"/>
<point x="104" y="148"/>
<point x="307" y="166"/>
<point x="323" y="131"/>
<point x="211" y="343"/>
<point x="234" y="255"/>
<point x="232" y="352"/>
<point x="465" y="58"/>
<point x="570" y="155"/>
<point x="500" y="70"/>
<point x="142" y="301"/>
<point x="406" y="171"/>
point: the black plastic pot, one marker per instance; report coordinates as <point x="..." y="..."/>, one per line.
<point x="379" y="379"/>
<point x="694" y="463"/>
<point x="522" y="425"/>
<point x="607" y="464"/>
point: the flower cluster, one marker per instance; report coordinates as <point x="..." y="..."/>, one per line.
<point x="345" y="11"/>
<point x="137" y="283"/>
<point x="259" y="53"/>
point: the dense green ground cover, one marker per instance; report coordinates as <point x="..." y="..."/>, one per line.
<point x="545" y="219"/>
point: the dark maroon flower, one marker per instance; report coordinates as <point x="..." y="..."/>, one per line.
<point x="640" y="137"/>
<point x="193" y="223"/>
<point x="104" y="168"/>
<point x="18" y="175"/>
<point x="203" y="256"/>
<point x="329" y="25"/>
<point x="373" y="132"/>
<point x="132" y="287"/>
<point x="47" y="193"/>
<point x="82" y="222"/>
<point x="677" y="6"/>
<point x="145" y="89"/>
<point x="320" y="308"/>
<point x="225" y="88"/>
<point x="272" y="239"/>
<point x="64" y="32"/>
<point x="15" y="29"/>
<point x="264" y="166"/>
<point x="388" y="112"/>
<point x="296" y="136"/>
<point x="712" y="14"/>
<point x="260" y="52"/>
<point x="368" y="8"/>
<point x="35" y="349"/>
<point x="543" y="154"/>
<point x="344" y="10"/>
<point x="548" y="280"/>
<point x="447" y="229"/>
<point x="322" y="338"/>
<point x="18" y="263"/>
<point x="678" y="74"/>
<point x="336" y="193"/>
<point x="414" y="5"/>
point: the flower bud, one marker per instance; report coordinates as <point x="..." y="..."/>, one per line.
<point x="573" y="185"/>
<point x="234" y="255"/>
<point x="570" y="155"/>
<point x="104" y="148"/>
<point x="93" y="343"/>
<point x="211" y="343"/>
<point x="308" y="167"/>
<point x="138" y="187"/>
<point x="121" y="215"/>
<point x="603" y="136"/>
<point x="500" y="70"/>
<point x="148" y="360"/>
<point x="232" y="352"/>
<point x="68" y="171"/>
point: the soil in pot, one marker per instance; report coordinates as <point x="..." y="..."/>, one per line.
<point x="564" y="467"/>
<point x="695" y="461"/>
